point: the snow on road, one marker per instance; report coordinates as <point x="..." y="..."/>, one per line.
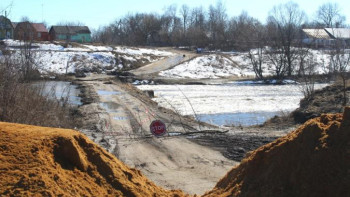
<point x="209" y="66"/>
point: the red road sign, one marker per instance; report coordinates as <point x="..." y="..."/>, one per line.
<point x="158" y="128"/>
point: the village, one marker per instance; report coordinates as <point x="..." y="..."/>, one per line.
<point x="188" y="102"/>
<point x="38" y="32"/>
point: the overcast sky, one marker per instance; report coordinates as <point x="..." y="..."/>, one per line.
<point x="95" y="13"/>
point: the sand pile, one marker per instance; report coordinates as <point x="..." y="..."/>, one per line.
<point x="59" y="162"/>
<point x="314" y="160"/>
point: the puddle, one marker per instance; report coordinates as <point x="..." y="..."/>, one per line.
<point x="137" y="109"/>
<point x="175" y="60"/>
<point x="174" y="133"/>
<point x="110" y="106"/>
<point x="243" y="119"/>
<point x="60" y="89"/>
<point x="120" y="118"/>
<point x="107" y="93"/>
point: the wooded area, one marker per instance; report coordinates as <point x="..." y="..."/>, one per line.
<point x="212" y="27"/>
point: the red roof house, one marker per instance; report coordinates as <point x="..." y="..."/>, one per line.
<point x="31" y="31"/>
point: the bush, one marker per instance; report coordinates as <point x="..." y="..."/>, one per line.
<point x="21" y="102"/>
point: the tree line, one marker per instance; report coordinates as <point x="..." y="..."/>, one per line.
<point x="213" y="28"/>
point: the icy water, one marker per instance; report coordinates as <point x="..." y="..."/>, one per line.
<point x="61" y="89"/>
<point x="237" y="119"/>
<point x="229" y="104"/>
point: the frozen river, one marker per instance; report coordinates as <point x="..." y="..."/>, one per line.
<point x="229" y="104"/>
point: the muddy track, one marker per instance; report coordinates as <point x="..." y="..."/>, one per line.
<point x="118" y="116"/>
<point x="233" y="147"/>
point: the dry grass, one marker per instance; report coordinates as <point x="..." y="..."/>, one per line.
<point x="21" y="102"/>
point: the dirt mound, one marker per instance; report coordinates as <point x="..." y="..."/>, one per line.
<point x="314" y="160"/>
<point x="58" y="162"/>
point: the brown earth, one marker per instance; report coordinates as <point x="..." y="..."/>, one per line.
<point x="326" y="100"/>
<point x="39" y="161"/>
<point x="313" y="160"/>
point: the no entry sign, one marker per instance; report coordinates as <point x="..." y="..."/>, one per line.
<point x="158" y="128"/>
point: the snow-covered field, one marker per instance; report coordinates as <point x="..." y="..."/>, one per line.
<point x="238" y="65"/>
<point x="54" y="58"/>
<point x="229" y="100"/>
<point x="209" y="66"/>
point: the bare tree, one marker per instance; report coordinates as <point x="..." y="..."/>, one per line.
<point x="340" y="60"/>
<point x="287" y="20"/>
<point x="245" y="31"/>
<point x="306" y="71"/>
<point x="252" y="34"/>
<point x="217" y="24"/>
<point x="184" y="11"/>
<point x="329" y="15"/>
<point x="197" y="28"/>
<point x="70" y="23"/>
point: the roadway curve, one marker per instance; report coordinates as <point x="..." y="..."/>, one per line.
<point x="154" y="68"/>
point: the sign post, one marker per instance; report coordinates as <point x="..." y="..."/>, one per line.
<point x="158" y="128"/>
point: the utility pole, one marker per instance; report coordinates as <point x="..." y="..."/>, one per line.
<point x="42" y="11"/>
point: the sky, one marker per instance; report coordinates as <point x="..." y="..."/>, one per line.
<point x="97" y="13"/>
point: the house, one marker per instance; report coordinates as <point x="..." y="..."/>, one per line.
<point x="70" y="33"/>
<point x="31" y="31"/>
<point x="342" y="34"/>
<point x="14" y="25"/>
<point x="317" y="37"/>
<point x="6" y="29"/>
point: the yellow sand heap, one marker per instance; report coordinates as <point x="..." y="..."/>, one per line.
<point x="58" y="162"/>
<point x="314" y="160"/>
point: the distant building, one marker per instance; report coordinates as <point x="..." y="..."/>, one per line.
<point x="31" y="31"/>
<point x="317" y="38"/>
<point x="6" y="29"/>
<point x="326" y="37"/>
<point x="14" y="25"/>
<point x="342" y="34"/>
<point x="70" y="33"/>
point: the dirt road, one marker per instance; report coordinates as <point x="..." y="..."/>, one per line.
<point x="172" y="161"/>
<point x="164" y="64"/>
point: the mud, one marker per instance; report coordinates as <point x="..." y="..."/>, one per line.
<point x="233" y="146"/>
<point x="327" y="100"/>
